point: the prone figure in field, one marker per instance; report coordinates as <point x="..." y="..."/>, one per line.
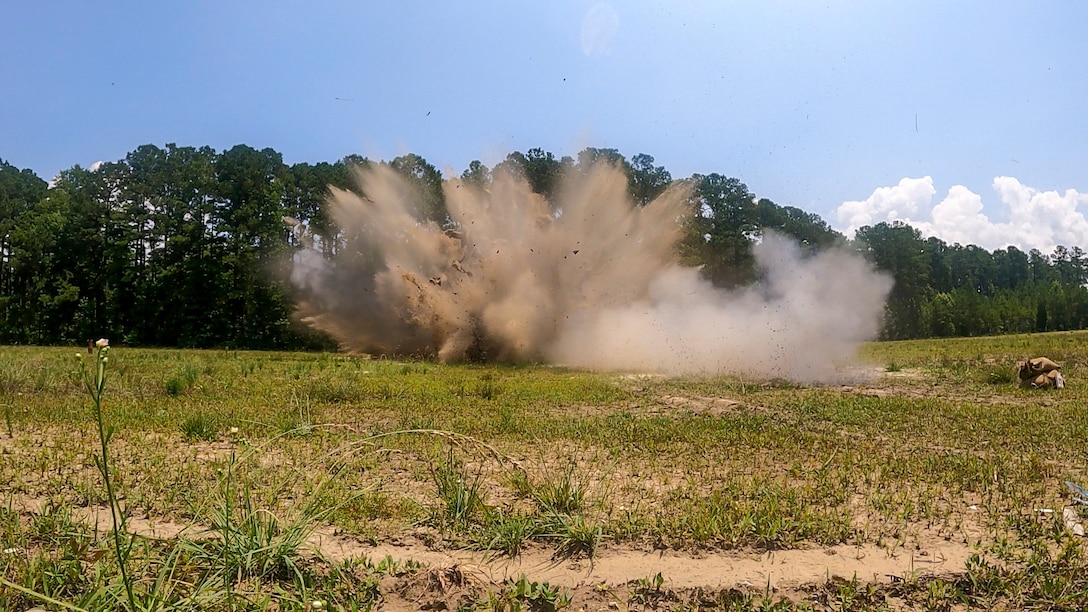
<point x="1039" y="373"/>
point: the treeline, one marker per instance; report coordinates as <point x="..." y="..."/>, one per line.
<point x="957" y="290"/>
<point x="184" y="246"/>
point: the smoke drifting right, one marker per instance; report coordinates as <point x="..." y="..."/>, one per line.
<point x="589" y="283"/>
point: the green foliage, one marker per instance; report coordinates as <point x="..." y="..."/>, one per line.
<point x="253" y="542"/>
<point x="723" y="229"/>
<point x="188" y="247"/>
<point x="8" y="418"/>
<point x="174" y="386"/>
<point x="182" y="381"/>
<point x="761" y="513"/>
<point x="574" y="535"/>
<point x="299" y="419"/>
<point x="562" y="494"/>
<point x="200" y="427"/>
<point x="649" y="592"/>
<point x="461" y="495"/>
<point x="943" y="290"/>
<point x="523" y="594"/>
<point x="509" y="533"/>
<point x="645" y="180"/>
<point x="425" y="181"/>
<point x="998" y="374"/>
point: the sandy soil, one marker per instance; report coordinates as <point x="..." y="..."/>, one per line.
<point x="452" y="577"/>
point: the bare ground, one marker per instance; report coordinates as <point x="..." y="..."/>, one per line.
<point x="452" y="577"/>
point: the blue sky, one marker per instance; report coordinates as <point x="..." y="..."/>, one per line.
<point x="857" y="111"/>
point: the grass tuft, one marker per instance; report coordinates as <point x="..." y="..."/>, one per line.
<point x="461" y="495"/>
<point x="200" y="427"/>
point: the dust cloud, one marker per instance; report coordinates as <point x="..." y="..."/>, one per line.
<point x="592" y="283"/>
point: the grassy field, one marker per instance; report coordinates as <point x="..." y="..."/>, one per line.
<point x="235" y="470"/>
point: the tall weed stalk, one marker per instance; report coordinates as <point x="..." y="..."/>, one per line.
<point x="95" y="382"/>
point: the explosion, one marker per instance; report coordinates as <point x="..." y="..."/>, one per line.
<point x="592" y="282"/>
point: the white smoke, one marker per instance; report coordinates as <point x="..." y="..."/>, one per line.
<point x="803" y="321"/>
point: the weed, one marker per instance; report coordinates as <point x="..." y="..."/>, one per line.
<point x="122" y="542"/>
<point x="174" y="386"/>
<point x="390" y="392"/>
<point x="253" y="542"/>
<point x="508" y="534"/>
<point x="565" y="494"/>
<point x="298" y="421"/>
<point x="182" y="381"/>
<point x="529" y="595"/>
<point x="329" y="391"/>
<point x="487" y="389"/>
<point x="462" y="496"/>
<point x="389" y="566"/>
<point x="997" y="374"/>
<point x="350" y="585"/>
<point x="200" y="427"/>
<point x="941" y="595"/>
<point x="649" y="592"/>
<point x="574" y="536"/>
<point x="13" y="376"/>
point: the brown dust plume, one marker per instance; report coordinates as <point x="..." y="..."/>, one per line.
<point x="592" y="283"/>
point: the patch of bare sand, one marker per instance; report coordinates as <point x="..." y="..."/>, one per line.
<point x="457" y="577"/>
<point x="98" y="517"/>
<point x="926" y="554"/>
<point x="701" y="405"/>
<point x="450" y="577"/>
<point x="619" y="565"/>
<point x="920" y="383"/>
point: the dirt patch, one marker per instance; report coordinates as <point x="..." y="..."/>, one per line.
<point x="700" y="405"/>
<point x="618" y="565"/>
<point x="98" y="517"/>
<point x="919" y="383"/>
<point x="605" y="582"/>
<point x="449" y="577"/>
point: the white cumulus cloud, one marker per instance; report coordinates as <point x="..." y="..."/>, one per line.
<point x="1036" y="219"/>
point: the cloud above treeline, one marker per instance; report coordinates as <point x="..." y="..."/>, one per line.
<point x="1036" y="219"/>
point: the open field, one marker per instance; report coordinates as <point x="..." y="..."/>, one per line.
<point x="926" y="480"/>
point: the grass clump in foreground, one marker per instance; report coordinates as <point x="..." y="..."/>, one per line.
<point x="270" y="447"/>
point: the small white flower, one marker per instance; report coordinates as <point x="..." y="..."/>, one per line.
<point x="317" y="604"/>
<point x="79" y="356"/>
<point x="102" y="343"/>
<point x="233" y="431"/>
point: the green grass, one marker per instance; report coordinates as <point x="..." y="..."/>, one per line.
<point x="540" y="456"/>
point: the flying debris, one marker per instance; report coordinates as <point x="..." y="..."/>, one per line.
<point x="401" y="285"/>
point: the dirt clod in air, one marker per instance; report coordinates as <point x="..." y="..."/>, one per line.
<point x="589" y="281"/>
